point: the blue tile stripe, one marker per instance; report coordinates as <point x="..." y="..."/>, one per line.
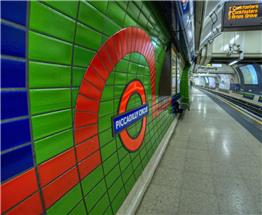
<point x="12" y="41"/>
<point x="14" y="134"/>
<point x="13" y="73"/>
<point x="16" y="161"/>
<point x="14" y="104"/>
<point x="14" y="11"/>
<point x="16" y="147"/>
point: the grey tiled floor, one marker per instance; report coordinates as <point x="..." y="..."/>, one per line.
<point x="212" y="166"/>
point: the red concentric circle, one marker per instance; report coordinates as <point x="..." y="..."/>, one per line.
<point x="132" y="144"/>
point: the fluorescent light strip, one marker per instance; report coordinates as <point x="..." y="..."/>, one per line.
<point x="233" y="62"/>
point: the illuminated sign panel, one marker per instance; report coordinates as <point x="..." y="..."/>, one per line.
<point x="243" y="16"/>
<point x="243" y="12"/>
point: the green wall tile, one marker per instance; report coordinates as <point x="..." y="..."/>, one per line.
<point x="119" y="143"/>
<point x="122" y="66"/>
<point x="108" y="211"/>
<point x="105" y="108"/>
<point x="146" y="11"/>
<point x="104" y="39"/>
<point x="127" y="172"/>
<point x="82" y="57"/>
<point x="53" y="145"/>
<point x="100" y="5"/>
<point x="144" y="161"/>
<point x="110" y="80"/>
<point x="74" y="95"/>
<point x="79" y="209"/>
<point x="67" y="7"/>
<point x="143" y="152"/>
<point x="118" y="200"/>
<point x="149" y="25"/>
<point x="87" y="37"/>
<point x="46" y="100"/>
<point x="105" y="137"/>
<point x="47" y="49"/>
<point x="101" y="207"/>
<point x="93" y="197"/>
<point x="46" y="124"/>
<point x="115" y="189"/>
<point x="127" y="57"/>
<point x="108" y="92"/>
<point x="129" y="21"/>
<point x="132" y="131"/>
<point x="133" y="68"/>
<point x="109" y="27"/>
<point x="105" y="122"/>
<point x="115" y="12"/>
<point x="112" y="176"/>
<point x="78" y="75"/>
<point x="139" y="4"/>
<point x="92" y="179"/>
<point x="110" y="163"/>
<point x="143" y="61"/>
<point x="135" y="57"/>
<point x="90" y="16"/>
<point x="108" y="150"/>
<point x="67" y="202"/>
<point x="46" y="20"/>
<point x="134" y="102"/>
<point x="138" y="171"/>
<point x="122" y="153"/>
<point x="118" y="90"/>
<point x="120" y="78"/>
<point x="130" y="183"/>
<point x="43" y="75"/>
<point x="123" y="4"/>
<point x="135" y="159"/>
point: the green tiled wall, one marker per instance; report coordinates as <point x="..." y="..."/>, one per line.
<point x="63" y="38"/>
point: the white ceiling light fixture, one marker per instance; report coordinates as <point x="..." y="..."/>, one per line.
<point x="241" y="57"/>
<point x="216" y="65"/>
<point x="233" y="62"/>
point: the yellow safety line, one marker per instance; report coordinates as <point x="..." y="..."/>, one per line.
<point x="251" y="117"/>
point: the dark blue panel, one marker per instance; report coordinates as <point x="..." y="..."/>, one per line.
<point x="124" y="120"/>
<point x="16" y="162"/>
<point x="14" y="133"/>
<point x="14" y="11"/>
<point x="13" y="73"/>
<point x="12" y="41"/>
<point x="14" y="104"/>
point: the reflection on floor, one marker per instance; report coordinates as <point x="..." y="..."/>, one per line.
<point x="211" y="166"/>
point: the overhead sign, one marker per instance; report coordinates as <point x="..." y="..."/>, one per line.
<point x="242" y="16"/>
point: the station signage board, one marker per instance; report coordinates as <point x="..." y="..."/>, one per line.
<point x="123" y="121"/>
<point x="242" y="16"/>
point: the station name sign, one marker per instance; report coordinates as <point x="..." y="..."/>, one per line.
<point x="123" y="121"/>
<point x="242" y="15"/>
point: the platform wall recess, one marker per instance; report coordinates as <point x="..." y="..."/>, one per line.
<point x="65" y="66"/>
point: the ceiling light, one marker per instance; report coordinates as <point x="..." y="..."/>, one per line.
<point x="233" y="62"/>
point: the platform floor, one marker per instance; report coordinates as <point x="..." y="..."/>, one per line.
<point x="212" y="166"/>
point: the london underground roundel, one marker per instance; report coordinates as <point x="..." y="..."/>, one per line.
<point x="126" y="41"/>
<point x="125" y="119"/>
